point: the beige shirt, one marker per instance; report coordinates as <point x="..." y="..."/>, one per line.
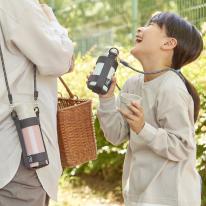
<point x="159" y="166"/>
<point x="27" y="36"/>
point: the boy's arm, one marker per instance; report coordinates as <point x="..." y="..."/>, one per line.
<point x="114" y="126"/>
<point x="174" y="139"/>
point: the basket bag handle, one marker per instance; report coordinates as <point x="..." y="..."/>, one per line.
<point x="71" y="95"/>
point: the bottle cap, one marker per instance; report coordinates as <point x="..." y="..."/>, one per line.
<point x="114" y="51"/>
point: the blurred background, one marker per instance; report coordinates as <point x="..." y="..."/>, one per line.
<point x="94" y="26"/>
<point x="105" y="22"/>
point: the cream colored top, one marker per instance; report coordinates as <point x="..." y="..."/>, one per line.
<point x="159" y="166"/>
<point x="27" y="36"/>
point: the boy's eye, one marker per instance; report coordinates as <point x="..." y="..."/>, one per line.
<point x="149" y="24"/>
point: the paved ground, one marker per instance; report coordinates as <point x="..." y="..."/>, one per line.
<point x="91" y="192"/>
<point x="82" y="198"/>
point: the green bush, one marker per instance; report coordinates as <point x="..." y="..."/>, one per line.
<point x="110" y="158"/>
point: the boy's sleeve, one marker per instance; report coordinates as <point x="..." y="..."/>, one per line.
<point x="44" y="42"/>
<point x="174" y="139"/>
<point x="114" y="126"/>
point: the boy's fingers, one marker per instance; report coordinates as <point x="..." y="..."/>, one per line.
<point x="126" y="114"/>
<point x="130" y="122"/>
<point x="112" y="87"/>
<point x="114" y="79"/>
<point x="135" y="110"/>
<point x="110" y="92"/>
<point x="137" y="105"/>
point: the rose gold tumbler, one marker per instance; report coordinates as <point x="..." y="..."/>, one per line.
<point x="33" y="147"/>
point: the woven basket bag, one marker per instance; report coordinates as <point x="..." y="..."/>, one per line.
<point x="76" y="135"/>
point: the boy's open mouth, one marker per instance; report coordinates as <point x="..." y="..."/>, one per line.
<point x="138" y="39"/>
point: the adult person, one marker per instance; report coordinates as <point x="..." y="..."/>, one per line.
<point x="30" y="35"/>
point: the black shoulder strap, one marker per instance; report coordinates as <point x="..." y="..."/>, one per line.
<point x="5" y="77"/>
<point x="10" y="97"/>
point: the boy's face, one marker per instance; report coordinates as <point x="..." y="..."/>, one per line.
<point x="149" y="40"/>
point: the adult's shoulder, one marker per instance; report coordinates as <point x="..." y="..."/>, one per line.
<point x="21" y="3"/>
<point x="16" y="9"/>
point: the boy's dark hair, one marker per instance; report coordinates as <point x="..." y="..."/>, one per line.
<point x="189" y="46"/>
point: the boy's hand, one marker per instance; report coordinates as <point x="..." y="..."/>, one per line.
<point x="110" y="93"/>
<point x="136" y="118"/>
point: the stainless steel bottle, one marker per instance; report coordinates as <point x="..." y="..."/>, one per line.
<point x="101" y="78"/>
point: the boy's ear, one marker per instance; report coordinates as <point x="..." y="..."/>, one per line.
<point x="169" y="43"/>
